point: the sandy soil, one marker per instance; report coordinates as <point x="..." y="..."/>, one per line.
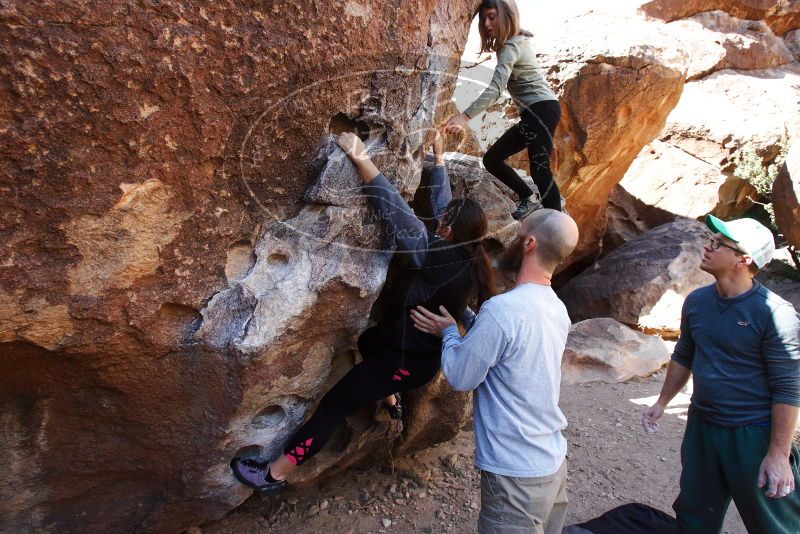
<point x="612" y="462"/>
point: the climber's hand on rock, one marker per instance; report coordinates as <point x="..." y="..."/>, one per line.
<point x="353" y="146"/>
<point x="430" y="323"/>
<point x="456" y="123"/>
<point x="357" y="152"/>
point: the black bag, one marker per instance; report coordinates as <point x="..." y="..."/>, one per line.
<point x="633" y="518"/>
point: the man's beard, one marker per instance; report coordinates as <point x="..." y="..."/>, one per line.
<point x="510" y="260"/>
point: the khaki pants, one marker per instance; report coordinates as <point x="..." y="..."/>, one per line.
<point x="513" y="505"/>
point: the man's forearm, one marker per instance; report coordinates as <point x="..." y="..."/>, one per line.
<point x="677" y="377"/>
<point x="784" y="423"/>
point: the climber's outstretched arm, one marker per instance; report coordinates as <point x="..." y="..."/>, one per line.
<point x="440" y="183"/>
<point x="357" y="152"/>
<point x="408" y="231"/>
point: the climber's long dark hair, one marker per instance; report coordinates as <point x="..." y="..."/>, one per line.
<point x="468" y="224"/>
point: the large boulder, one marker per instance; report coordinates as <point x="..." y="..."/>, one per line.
<point x="603" y="350"/>
<point x="735" y="65"/>
<point x="792" y="41"/>
<point x="644" y="282"/>
<point x="615" y="94"/>
<point x="672" y="180"/>
<point x="692" y="168"/>
<point x="628" y="217"/>
<point x="781" y="15"/>
<point x="780" y="276"/>
<point x="719" y="41"/>
<point x="707" y="123"/>
<point x="786" y="196"/>
<point x="184" y="271"/>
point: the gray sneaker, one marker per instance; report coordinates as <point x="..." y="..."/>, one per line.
<point x="254" y="475"/>
<point x="525" y="207"/>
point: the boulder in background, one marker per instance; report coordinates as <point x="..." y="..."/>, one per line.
<point x="603" y="350"/>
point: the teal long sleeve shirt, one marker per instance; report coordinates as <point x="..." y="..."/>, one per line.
<point x="744" y="354"/>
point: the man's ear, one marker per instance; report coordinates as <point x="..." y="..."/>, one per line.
<point x="529" y="243"/>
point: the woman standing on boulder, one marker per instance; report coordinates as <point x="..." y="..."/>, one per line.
<point x="446" y="269"/>
<point x="518" y="71"/>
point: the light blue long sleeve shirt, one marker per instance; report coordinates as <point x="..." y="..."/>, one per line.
<point x="511" y="357"/>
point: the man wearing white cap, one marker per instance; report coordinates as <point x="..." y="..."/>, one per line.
<point x="741" y="343"/>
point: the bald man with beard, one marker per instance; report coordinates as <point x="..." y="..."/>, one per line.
<point x="511" y="358"/>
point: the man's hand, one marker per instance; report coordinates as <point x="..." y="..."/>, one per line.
<point x="456" y="123"/>
<point x="651" y="416"/>
<point x="775" y="468"/>
<point x="429" y="322"/>
<point x="353" y="146"/>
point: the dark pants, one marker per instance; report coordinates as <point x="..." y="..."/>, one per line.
<point x="535" y="132"/>
<point x="375" y="378"/>
<point x="720" y="463"/>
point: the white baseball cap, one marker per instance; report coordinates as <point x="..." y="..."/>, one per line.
<point x="753" y="238"/>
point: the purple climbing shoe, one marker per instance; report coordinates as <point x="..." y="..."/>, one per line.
<point x="254" y="475"/>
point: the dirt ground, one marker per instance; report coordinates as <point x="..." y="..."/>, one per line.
<point x="612" y="461"/>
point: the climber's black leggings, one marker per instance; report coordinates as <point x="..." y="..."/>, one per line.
<point x="535" y="132"/>
<point x="373" y="379"/>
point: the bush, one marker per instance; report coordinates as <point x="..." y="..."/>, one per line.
<point x="749" y="166"/>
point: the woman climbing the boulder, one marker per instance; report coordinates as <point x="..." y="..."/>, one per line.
<point x="518" y="71"/>
<point x="447" y="268"/>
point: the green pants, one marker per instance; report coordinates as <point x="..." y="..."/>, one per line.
<point x="720" y="463"/>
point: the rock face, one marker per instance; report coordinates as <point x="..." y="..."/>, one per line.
<point x="644" y="282"/>
<point x="672" y="180"/>
<point x="720" y="41"/>
<point x="792" y="41"/>
<point x="780" y="277"/>
<point x="613" y="103"/>
<point x="603" y="350"/>
<point x="185" y="267"/>
<point x="786" y="196"/>
<point x="628" y="217"/>
<point x="780" y="15"/>
<point x="691" y="169"/>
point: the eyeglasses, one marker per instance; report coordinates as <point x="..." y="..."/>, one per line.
<point x="715" y="243"/>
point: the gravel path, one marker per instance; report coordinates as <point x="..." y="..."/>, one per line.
<point x="612" y="462"/>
